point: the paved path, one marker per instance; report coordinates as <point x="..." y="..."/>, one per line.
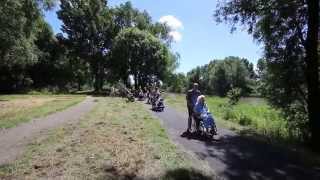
<point x="236" y="157"/>
<point x="14" y="140"/>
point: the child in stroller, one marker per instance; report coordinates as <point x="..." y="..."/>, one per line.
<point x="202" y="114"/>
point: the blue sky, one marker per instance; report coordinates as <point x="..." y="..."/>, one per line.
<point x="201" y="39"/>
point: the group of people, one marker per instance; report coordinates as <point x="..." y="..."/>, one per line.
<point x="149" y="93"/>
<point x="152" y="94"/>
<point x="198" y="111"/>
<point x="154" y="98"/>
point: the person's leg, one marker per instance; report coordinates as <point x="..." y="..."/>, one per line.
<point x="190" y="112"/>
<point x="197" y="121"/>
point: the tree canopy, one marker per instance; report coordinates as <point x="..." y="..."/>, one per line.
<point x="220" y="76"/>
<point x="289" y="31"/>
<point x="31" y="56"/>
<point x="138" y="53"/>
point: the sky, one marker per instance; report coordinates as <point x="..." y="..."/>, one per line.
<point x="197" y="37"/>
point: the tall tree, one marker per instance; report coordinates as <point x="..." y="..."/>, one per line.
<point x="126" y="16"/>
<point x="289" y="31"/>
<point x="312" y="70"/>
<point x="140" y="54"/>
<point x="18" y="29"/>
<point x="89" y="28"/>
<point x="220" y="76"/>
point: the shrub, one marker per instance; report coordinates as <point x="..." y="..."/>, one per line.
<point x="229" y="114"/>
<point x="234" y="96"/>
<point x="244" y="120"/>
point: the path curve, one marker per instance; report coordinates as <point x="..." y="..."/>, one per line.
<point x="237" y="157"/>
<point x="14" y="140"/>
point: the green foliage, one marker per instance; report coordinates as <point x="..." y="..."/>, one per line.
<point x="176" y="82"/>
<point x="17" y="48"/>
<point x="288" y="72"/>
<point x="31" y="57"/>
<point x="220" y="76"/>
<point x="234" y="96"/>
<point x="138" y="53"/>
<point x="88" y="25"/>
<point x="253" y="113"/>
<point x="126" y="16"/>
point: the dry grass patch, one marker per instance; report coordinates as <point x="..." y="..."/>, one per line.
<point x="15" y="109"/>
<point x="117" y="140"/>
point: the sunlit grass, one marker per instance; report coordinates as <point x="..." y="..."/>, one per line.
<point x="16" y="109"/>
<point x="115" y="140"/>
<point x="253" y="113"/>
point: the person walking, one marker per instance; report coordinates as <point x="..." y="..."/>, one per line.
<point x="191" y="98"/>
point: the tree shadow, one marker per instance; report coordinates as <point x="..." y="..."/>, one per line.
<point x="248" y="158"/>
<point x="175" y="174"/>
<point x="104" y="93"/>
<point x="185" y="174"/>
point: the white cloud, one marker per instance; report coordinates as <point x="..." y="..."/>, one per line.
<point x="175" y="25"/>
<point x="171" y="22"/>
<point x="175" y="35"/>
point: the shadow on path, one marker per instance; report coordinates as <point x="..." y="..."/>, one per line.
<point x="175" y="174"/>
<point x="233" y="156"/>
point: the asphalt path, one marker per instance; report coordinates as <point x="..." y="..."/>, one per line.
<point x="232" y="156"/>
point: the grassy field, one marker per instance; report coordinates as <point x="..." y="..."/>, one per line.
<point x="15" y="109"/>
<point x="251" y="114"/>
<point x="117" y="140"/>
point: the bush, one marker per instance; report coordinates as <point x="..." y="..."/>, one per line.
<point x="244" y="120"/>
<point x="234" y="96"/>
<point x="229" y="114"/>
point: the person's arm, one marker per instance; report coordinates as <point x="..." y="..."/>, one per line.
<point x="206" y="108"/>
<point x="196" y="110"/>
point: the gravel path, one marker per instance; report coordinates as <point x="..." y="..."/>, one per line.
<point x="14" y="140"/>
<point x="232" y="156"/>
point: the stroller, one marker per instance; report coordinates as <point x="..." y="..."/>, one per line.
<point x="157" y="104"/>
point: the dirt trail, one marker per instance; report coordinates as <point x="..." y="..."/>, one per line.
<point x="235" y="157"/>
<point x="14" y="140"/>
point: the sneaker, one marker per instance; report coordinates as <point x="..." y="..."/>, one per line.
<point x="186" y="133"/>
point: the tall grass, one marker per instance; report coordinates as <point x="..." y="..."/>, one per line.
<point x="253" y="113"/>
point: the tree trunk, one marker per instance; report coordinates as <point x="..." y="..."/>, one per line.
<point x="79" y="85"/>
<point x="312" y="74"/>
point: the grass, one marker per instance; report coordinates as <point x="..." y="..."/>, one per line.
<point x="16" y="109"/>
<point x="253" y="118"/>
<point x="252" y="114"/>
<point x="117" y="140"/>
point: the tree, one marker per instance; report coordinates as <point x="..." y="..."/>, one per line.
<point x="140" y="54"/>
<point x="90" y="30"/>
<point x="18" y="29"/>
<point x="220" y="76"/>
<point x="289" y="31"/>
<point x="176" y="82"/>
<point x="126" y="16"/>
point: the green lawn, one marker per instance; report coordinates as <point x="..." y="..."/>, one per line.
<point x="116" y="140"/>
<point x="16" y="109"/>
<point x="252" y="114"/>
